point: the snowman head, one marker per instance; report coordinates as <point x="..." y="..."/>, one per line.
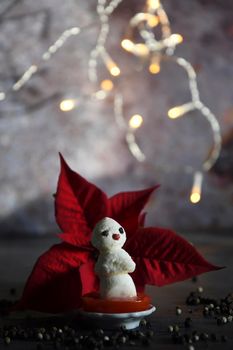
<point x="108" y="234"/>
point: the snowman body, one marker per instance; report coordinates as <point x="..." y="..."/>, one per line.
<point x="114" y="264"/>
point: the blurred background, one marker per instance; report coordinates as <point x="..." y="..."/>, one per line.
<point x="34" y="128"/>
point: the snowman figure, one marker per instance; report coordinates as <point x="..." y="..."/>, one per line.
<point x="114" y="263"/>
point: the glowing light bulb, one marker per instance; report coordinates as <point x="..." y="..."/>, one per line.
<point x="179" y="111"/>
<point x="111" y="66"/>
<point x="176" y="38"/>
<point x="2" y="96"/>
<point x="153" y="4"/>
<point x="115" y="71"/>
<point x="195" y="195"/>
<point x="152" y="21"/>
<point x="67" y="105"/>
<point x="141" y="50"/>
<point x="106" y="85"/>
<point x="175" y="112"/>
<point x="127" y="45"/>
<point x="154" y="67"/>
<point x="135" y="121"/>
<point x="100" y="95"/>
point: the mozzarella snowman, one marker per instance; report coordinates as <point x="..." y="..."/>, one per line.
<point x="114" y="263"/>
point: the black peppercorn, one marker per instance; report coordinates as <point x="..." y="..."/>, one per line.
<point x="223" y="338"/>
<point x="170" y="328"/>
<point x="7" y="340"/>
<point x="204" y="336"/>
<point x="188" y="322"/>
<point x="145" y="341"/>
<point x="195" y="338"/>
<point x="143" y="322"/>
<point x="213" y="337"/>
<point x="191" y="347"/>
<point x="122" y="339"/>
<point x="132" y="343"/>
<point x="39" y="336"/>
<point x="178" y="311"/>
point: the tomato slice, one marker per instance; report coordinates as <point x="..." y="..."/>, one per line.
<point x="93" y="303"/>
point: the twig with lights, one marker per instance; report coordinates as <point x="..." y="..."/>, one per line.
<point x="155" y="51"/>
<point x="27" y="75"/>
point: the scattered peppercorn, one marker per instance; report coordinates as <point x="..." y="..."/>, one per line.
<point x="143" y="322"/>
<point x="195" y="338"/>
<point x="170" y="328"/>
<point x="178" y="310"/>
<point x="191" y="347"/>
<point x="213" y="337"/>
<point x="204" y="336"/>
<point x="39" y="336"/>
<point x="7" y="340"/>
<point x="145" y="341"/>
<point x="224" y="338"/>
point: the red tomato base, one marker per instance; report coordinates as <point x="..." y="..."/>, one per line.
<point x="93" y="303"/>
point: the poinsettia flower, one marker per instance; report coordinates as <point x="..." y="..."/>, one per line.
<point x="65" y="273"/>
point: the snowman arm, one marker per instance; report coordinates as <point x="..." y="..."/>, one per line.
<point x="126" y="262"/>
<point x="104" y="267"/>
<point x="120" y="262"/>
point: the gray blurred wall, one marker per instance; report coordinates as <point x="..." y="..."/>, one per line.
<point x="33" y="129"/>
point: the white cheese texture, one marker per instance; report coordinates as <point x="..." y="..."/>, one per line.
<point x="114" y="263"/>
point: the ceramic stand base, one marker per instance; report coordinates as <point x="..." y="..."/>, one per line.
<point x="128" y="320"/>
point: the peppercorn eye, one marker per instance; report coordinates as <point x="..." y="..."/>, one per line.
<point x="104" y="233"/>
<point x="121" y="230"/>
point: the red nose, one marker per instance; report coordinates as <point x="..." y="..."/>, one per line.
<point x="116" y="236"/>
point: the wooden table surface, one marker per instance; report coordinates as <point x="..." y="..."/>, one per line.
<point x="17" y="257"/>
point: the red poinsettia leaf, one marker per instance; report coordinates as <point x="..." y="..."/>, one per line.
<point x="76" y="240"/>
<point x="142" y="219"/>
<point x="89" y="279"/>
<point x="125" y="207"/>
<point x="79" y="204"/>
<point x="163" y="257"/>
<point x="55" y="284"/>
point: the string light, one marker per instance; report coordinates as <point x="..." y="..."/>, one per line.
<point x="152" y="21"/>
<point x="164" y="50"/>
<point x="134" y="148"/>
<point x="153" y="4"/>
<point x="2" y="96"/>
<point x="154" y="67"/>
<point x="179" y="111"/>
<point x="112" y="67"/>
<point x="127" y="45"/>
<point x="178" y="38"/>
<point x="135" y="121"/>
<point x="140" y="50"/>
<point x="104" y="11"/>
<point x="67" y="105"/>
<point x="100" y="95"/>
<point x="151" y="49"/>
<point x="27" y="75"/>
<point x="106" y="85"/>
<point x="195" y="195"/>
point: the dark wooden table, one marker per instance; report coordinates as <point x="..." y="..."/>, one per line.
<point x="17" y="257"/>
